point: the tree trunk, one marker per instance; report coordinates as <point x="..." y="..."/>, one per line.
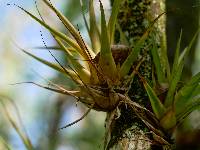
<point x="124" y="129"/>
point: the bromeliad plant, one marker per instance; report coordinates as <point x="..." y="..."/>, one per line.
<point x="101" y="77"/>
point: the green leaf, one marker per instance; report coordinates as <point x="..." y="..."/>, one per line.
<point x="157" y="63"/>
<point x="186" y="94"/>
<point x="51" y="65"/>
<point x="94" y="30"/>
<point x="55" y="67"/>
<point x="85" y="50"/>
<point x="168" y="121"/>
<point x="176" y="56"/>
<point x="158" y="108"/>
<point x="62" y="36"/>
<point x="123" y="38"/>
<point x="113" y="20"/>
<point x="82" y="72"/>
<point x="56" y="48"/>
<point x="83" y="14"/>
<point x="125" y="68"/>
<point x="177" y="72"/>
<point x="164" y="57"/>
<point x="189" y="109"/>
<point x="173" y="85"/>
<point x="106" y="61"/>
<point x="132" y="56"/>
<point x="48" y="47"/>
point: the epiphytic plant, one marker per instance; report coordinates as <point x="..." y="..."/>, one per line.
<point x="108" y="68"/>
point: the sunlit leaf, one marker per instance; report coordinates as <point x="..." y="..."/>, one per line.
<point x="68" y="40"/>
<point x="54" y="48"/>
<point x="82" y="72"/>
<point x="113" y="20"/>
<point x="83" y="14"/>
<point x="94" y="30"/>
<point x="85" y="51"/>
<point x="55" y="67"/>
<point x="106" y="59"/>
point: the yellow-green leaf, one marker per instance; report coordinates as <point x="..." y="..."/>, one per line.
<point x="55" y="67"/>
<point x="82" y="72"/>
<point x="113" y="20"/>
<point x="94" y="30"/>
<point x="85" y="50"/>
<point x="168" y="121"/>
<point x="106" y="61"/>
<point x="62" y="36"/>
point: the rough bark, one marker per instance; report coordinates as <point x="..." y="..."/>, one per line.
<point x="125" y="130"/>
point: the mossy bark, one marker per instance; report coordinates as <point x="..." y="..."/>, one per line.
<point x="125" y="130"/>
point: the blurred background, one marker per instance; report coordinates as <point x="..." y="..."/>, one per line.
<point x="42" y="111"/>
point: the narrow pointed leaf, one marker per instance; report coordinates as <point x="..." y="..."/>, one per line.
<point x="125" y="68"/>
<point x="185" y="53"/>
<point x="56" y="48"/>
<point x="188" y="109"/>
<point x="94" y="30"/>
<point x="62" y="36"/>
<point x="158" y="108"/>
<point x="132" y="56"/>
<point x="25" y="139"/>
<point x="123" y="38"/>
<point x="176" y="75"/>
<point x="5" y="144"/>
<point x="82" y="72"/>
<point x="113" y="20"/>
<point x="173" y="85"/>
<point x="106" y="59"/>
<point x="48" y="47"/>
<point x="55" y="67"/>
<point x="176" y="56"/>
<point x="164" y="57"/>
<point x="51" y="65"/>
<point x="186" y="93"/>
<point x="57" y="89"/>
<point x="157" y="63"/>
<point x="86" y="52"/>
<point x="83" y="14"/>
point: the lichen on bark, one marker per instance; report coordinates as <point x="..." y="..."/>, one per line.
<point x="126" y="130"/>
